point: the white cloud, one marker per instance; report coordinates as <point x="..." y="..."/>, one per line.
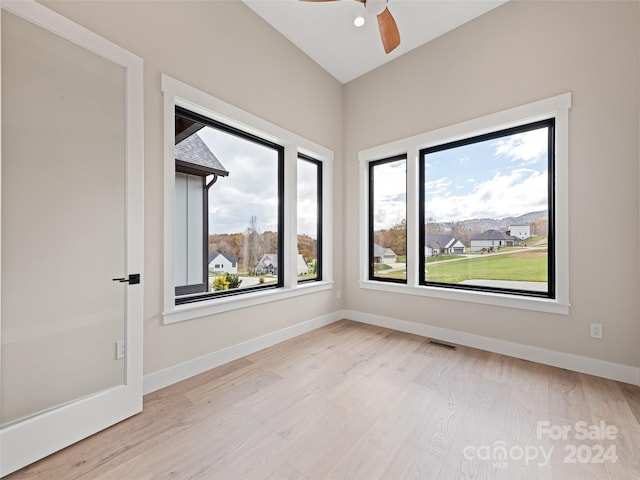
<point x="390" y="187"/>
<point x="307" y="199"/>
<point x="528" y="147"/>
<point x="307" y="217"/>
<point x="521" y="191"/>
<point x="437" y="187"/>
<point x="389" y="214"/>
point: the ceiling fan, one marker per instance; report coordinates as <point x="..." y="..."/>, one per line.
<point x="386" y="24"/>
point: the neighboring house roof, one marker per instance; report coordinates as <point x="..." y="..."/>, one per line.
<point x="439" y="239"/>
<point x="379" y="251"/>
<point x="493" y="235"/>
<point x="272" y="259"/>
<point x="193" y="153"/>
<point x="269" y="259"/>
<point x="230" y="258"/>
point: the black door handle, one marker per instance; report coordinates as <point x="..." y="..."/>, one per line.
<point x="133" y="279"/>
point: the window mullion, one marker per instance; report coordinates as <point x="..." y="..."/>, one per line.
<point x="413" y="257"/>
<point x="290" y="216"/>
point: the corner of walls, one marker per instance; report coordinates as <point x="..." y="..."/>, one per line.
<point x="176" y="373"/>
<point x="600" y="368"/>
<point x="591" y="366"/>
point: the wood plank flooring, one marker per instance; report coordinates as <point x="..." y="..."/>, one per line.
<point x="353" y="401"/>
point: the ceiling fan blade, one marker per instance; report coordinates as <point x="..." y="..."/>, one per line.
<point x="388" y="31"/>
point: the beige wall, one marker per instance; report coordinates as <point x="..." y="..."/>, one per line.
<point x="226" y="50"/>
<point x="518" y="53"/>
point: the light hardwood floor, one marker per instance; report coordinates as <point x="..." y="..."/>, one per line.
<point x="353" y="401"/>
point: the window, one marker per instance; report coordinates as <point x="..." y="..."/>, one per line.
<point x="483" y="209"/>
<point x="387" y="220"/>
<point x="235" y="187"/>
<point x="479" y="196"/>
<point x="229" y="209"/>
<point x="309" y="254"/>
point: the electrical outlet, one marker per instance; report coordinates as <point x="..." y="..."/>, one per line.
<point x="338" y="293"/>
<point x="596" y="330"/>
<point x="120" y="350"/>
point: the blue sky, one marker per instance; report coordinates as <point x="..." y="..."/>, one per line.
<point x="494" y="178"/>
<point x="491" y="179"/>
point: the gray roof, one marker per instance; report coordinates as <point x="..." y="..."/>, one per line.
<point x="440" y="239"/>
<point x="271" y="257"/>
<point x="193" y="152"/>
<point x="230" y="258"/>
<point x="494" y="235"/>
<point x="379" y="251"/>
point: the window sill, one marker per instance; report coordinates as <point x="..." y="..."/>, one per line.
<point x="205" y="308"/>
<point x="486" y="298"/>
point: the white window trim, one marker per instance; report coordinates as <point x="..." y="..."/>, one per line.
<point x="555" y="107"/>
<point x="181" y="94"/>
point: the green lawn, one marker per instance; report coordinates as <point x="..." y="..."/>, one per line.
<point x="306" y="276"/>
<point x="382" y="266"/>
<point x="528" y="266"/>
<point x="401" y="274"/>
<point x="443" y="258"/>
<point x="536" y="241"/>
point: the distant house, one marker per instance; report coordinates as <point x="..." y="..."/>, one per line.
<point x="384" y="255"/>
<point x="520" y="231"/>
<point x="268" y="265"/>
<point x="301" y="265"/>
<point x="437" y="244"/>
<point x="493" y="239"/>
<point x="222" y="263"/>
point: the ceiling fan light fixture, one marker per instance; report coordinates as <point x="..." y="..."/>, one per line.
<point x="387" y="26"/>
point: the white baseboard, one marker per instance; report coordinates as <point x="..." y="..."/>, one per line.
<point x="164" y="378"/>
<point x="576" y="363"/>
<point x="600" y="368"/>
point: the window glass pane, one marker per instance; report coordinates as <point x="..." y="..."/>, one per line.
<point x="238" y="207"/>
<point x="243" y="213"/>
<point x="388" y="224"/>
<point x="308" y="265"/>
<point x="487" y="211"/>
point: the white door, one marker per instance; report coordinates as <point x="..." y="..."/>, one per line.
<point x="71" y="234"/>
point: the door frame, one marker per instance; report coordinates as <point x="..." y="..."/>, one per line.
<point x="29" y="440"/>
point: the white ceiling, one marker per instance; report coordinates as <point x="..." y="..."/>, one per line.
<point x="325" y="31"/>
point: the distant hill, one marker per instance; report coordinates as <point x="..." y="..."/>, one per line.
<point x="501" y="223"/>
<point x="477" y="225"/>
